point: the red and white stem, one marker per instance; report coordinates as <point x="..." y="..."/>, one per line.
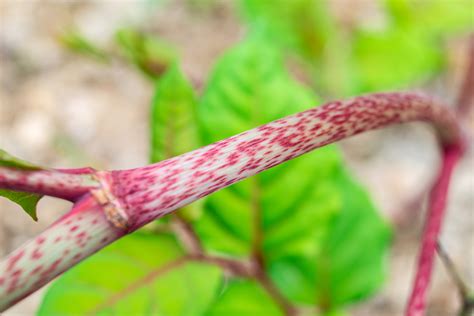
<point x="128" y="199"/>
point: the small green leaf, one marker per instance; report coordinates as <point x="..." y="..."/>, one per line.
<point x="173" y="118"/>
<point x="244" y="297"/>
<point x="27" y="201"/>
<point x="173" y="124"/>
<point x="7" y="160"/>
<point x="149" y="54"/>
<point x="141" y="274"/>
<point x="78" y="43"/>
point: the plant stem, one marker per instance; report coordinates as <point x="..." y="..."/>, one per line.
<point x="436" y="210"/>
<point x="187" y="235"/>
<point x="68" y="185"/>
<point x="153" y="191"/>
<point x="77" y="235"/>
<point x="452" y="271"/>
<point x="128" y="199"/>
<point x="275" y="293"/>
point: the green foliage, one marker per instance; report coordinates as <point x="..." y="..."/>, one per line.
<point x="142" y="274"/>
<point x="243" y="297"/>
<point x="304" y="25"/>
<point x="149" y="54"/>
<point x="382" y="65"/>
<point x="349" y="266"/>
<point x="351" y="59"/>
<point x="78" y="43"/>
<point x="173" y="124"/>
<point x="27" y="201"/>
<point x="173" y="121"/>
<point x="7" y="160"/>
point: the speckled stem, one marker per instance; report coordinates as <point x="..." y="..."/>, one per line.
<point x="152" y="191"/>
<point x="77" y="235"/>
<point x="65" y="184"/>
<point x="128" y="199"/>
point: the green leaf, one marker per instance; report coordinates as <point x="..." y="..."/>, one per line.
<point x="25" y="200"/>
<point x="434" y="17"/>
<point x="7" y="160"/>
<point x="351" y="262"/>
<point x="76" y="42"/>
<point x="173" y="119"/>
<point x="149" y="54"/>
<point x="141" y="274"/>
<point x="244" y="297"/>
<point x="299" y="203"/>
<point x="302" y="25"/>
<point x="381" y="64"/>
<point x="307" y="30"/>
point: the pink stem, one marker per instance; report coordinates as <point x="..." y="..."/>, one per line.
<point x="131" y="198"/>
<point x="77" y="235"/>
<point x="436" y="209"/>
<point x="64" y="184"/>
<point x="150" y="192"/>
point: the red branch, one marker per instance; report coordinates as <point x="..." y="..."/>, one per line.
<point x="438" y="195"/>
<point x="436" y="209"/>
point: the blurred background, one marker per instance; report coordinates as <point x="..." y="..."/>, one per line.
<point x="75" y="90"/>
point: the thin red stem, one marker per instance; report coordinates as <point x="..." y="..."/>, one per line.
<point x="436" y="209"/>
<point x="65" y="184"/>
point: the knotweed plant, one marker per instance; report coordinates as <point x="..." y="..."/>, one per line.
<point x="109" y="205"/>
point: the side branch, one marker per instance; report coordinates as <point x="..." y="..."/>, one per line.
<point x="436" y="210"/>
<point x="69" y="185"/>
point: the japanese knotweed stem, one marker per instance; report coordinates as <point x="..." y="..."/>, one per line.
<point x="150" y="192"/>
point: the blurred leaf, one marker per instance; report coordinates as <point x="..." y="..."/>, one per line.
<point x="394" y="59"/>
<point x="7" y="160"/>
<point x="173" y="119"/>
<point x="306" y="29"/>
<point x="299" y="202"/>
<point x="434" y="17"/>
<point x="304" y="25"/>
<point x="77" y="43"/>
<point x="173" y="124"/>
<point x="244" y="297"/>
<point x="27" y="201"/>
<point x="146" y="52"/>
<point x="140" y="274"/>
<point x="410" y="49"/>
<point x="351" y="262"/>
